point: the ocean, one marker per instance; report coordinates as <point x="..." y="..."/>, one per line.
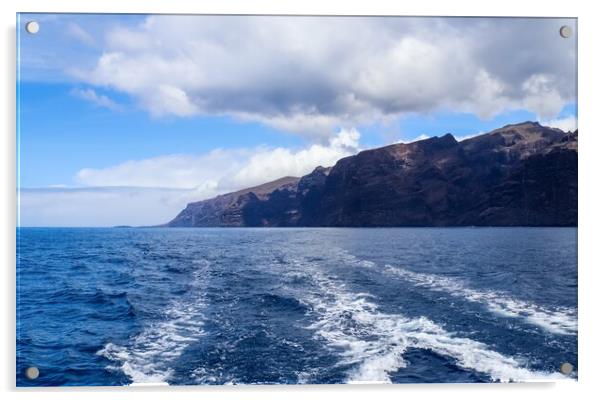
<point x="189" y="306"/>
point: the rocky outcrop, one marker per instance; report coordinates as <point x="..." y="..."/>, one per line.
<point x="518" y="175"/>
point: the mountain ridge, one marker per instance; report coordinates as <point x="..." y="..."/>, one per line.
<point x="517" y="175"/>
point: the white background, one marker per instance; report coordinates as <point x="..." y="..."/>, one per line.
<point x="590" y="223"/>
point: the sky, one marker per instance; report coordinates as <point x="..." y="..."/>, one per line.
<point x="124" y="119"/>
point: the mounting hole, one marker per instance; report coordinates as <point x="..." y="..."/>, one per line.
<point x="32" y="27"/>
<point x="32" y="373"/>
<point x="566" y="368"/>
<point x="566" y="31"/>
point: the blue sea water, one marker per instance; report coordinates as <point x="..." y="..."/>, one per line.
<point x="287" y="306"/>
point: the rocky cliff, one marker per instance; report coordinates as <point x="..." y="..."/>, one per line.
<point x="518" y="175"/>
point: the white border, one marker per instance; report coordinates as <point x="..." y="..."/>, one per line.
<point x="590" y="202"/>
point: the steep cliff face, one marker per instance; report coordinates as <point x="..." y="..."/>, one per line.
<point x="523" y="174"/>
<point x="235" y="209"/>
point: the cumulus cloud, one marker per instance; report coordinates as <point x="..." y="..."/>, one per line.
<point x="275" y="163"/>
<point x="99" y="100"/>
<point x="222" y="170"/>
<point x="169" y="100"/>
<point x="542" y="96"/>
<point x="312" y="75"/>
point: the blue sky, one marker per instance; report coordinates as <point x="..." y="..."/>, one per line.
<point x="172" y="109"/>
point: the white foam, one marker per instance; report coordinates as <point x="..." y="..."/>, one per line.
<point x="559" y="320"/>
<point x="373" y="343"/>
<point x="147" y="358"/>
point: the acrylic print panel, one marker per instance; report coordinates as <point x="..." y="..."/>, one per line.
<point x="295" y="200"/>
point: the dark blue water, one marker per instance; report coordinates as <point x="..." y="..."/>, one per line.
<point x="265" y="306"/>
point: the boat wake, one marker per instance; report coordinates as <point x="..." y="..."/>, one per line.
<point x="372" y="343"/>
<point x="557" y="320"/>
<point x="560" y="320"/>
<point x="148" y="357"/>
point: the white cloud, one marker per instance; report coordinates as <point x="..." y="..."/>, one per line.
<point x="565" y="124"/>
<point x="490" y="98"/>
<point x="98" y="99"/>
<point x="311" y="75"/>
<point x="169" y="100"/>
<point x="275" y="163"/>
<point x="542" y="96"/>
<point x="222" y="170"/>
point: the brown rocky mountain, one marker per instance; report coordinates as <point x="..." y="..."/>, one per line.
<point x="518" y="175"/>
